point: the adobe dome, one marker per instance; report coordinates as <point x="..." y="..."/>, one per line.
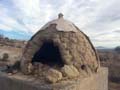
<point x="60" y="43"/>
<point x="61" y="24"/>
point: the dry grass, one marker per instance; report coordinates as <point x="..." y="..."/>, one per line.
<point x="111" y="59"/>
<point x="13" y="52"/>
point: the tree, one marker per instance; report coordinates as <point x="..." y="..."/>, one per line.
<point x="117" y="49"/>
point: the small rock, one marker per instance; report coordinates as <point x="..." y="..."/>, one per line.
<point x="30" y="68"/>
<point x="37" y="65"/>
<point x="53" y="76"/>
<point x="70" y="71"/>
<point x="15" y="71"/>
<point x="10" y="74"/>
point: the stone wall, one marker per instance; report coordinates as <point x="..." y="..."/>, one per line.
<point x="98" y="81"/>
<point x="75" y="48"/>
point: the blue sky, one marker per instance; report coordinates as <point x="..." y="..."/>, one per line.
<point x="99" y="19"/>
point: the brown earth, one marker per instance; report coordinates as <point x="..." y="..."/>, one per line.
<point x="111" y="59"/>
<point x="13" y="48"/>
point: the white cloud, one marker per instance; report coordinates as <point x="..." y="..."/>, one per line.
<point x="28" y="7"/>
<point x="94" y="17"/>
<point x="5" y="27"/>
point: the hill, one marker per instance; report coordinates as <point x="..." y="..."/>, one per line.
<point x="111" y="59"/>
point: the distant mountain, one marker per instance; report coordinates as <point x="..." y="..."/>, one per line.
<point x="5" y="41"/>
<point x="101" y="47"/>
<point x="19" y="35"/>
<point x="104" y="49"/>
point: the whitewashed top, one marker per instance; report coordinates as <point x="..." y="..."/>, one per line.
<point x="62" y="25"/>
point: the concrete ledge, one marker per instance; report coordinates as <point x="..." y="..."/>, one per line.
<point x="97" y="81"/>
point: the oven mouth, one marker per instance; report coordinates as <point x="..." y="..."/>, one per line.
<point x="48" y="54"/>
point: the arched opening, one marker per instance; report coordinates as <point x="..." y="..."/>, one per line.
<point x="49" y="54"/>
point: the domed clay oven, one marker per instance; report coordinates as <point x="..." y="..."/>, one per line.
<point x="57" y="44"/>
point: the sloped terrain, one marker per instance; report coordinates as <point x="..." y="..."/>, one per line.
<point x="111" y="59"/>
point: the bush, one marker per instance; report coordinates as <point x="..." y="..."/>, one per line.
<point x="117" y="49"/>
<point x="16" y="65"/>
<point x="5" y="57"/>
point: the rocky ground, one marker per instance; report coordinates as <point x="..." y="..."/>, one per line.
<point x="10" y="51"/>
<point x="111" y="59"/>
